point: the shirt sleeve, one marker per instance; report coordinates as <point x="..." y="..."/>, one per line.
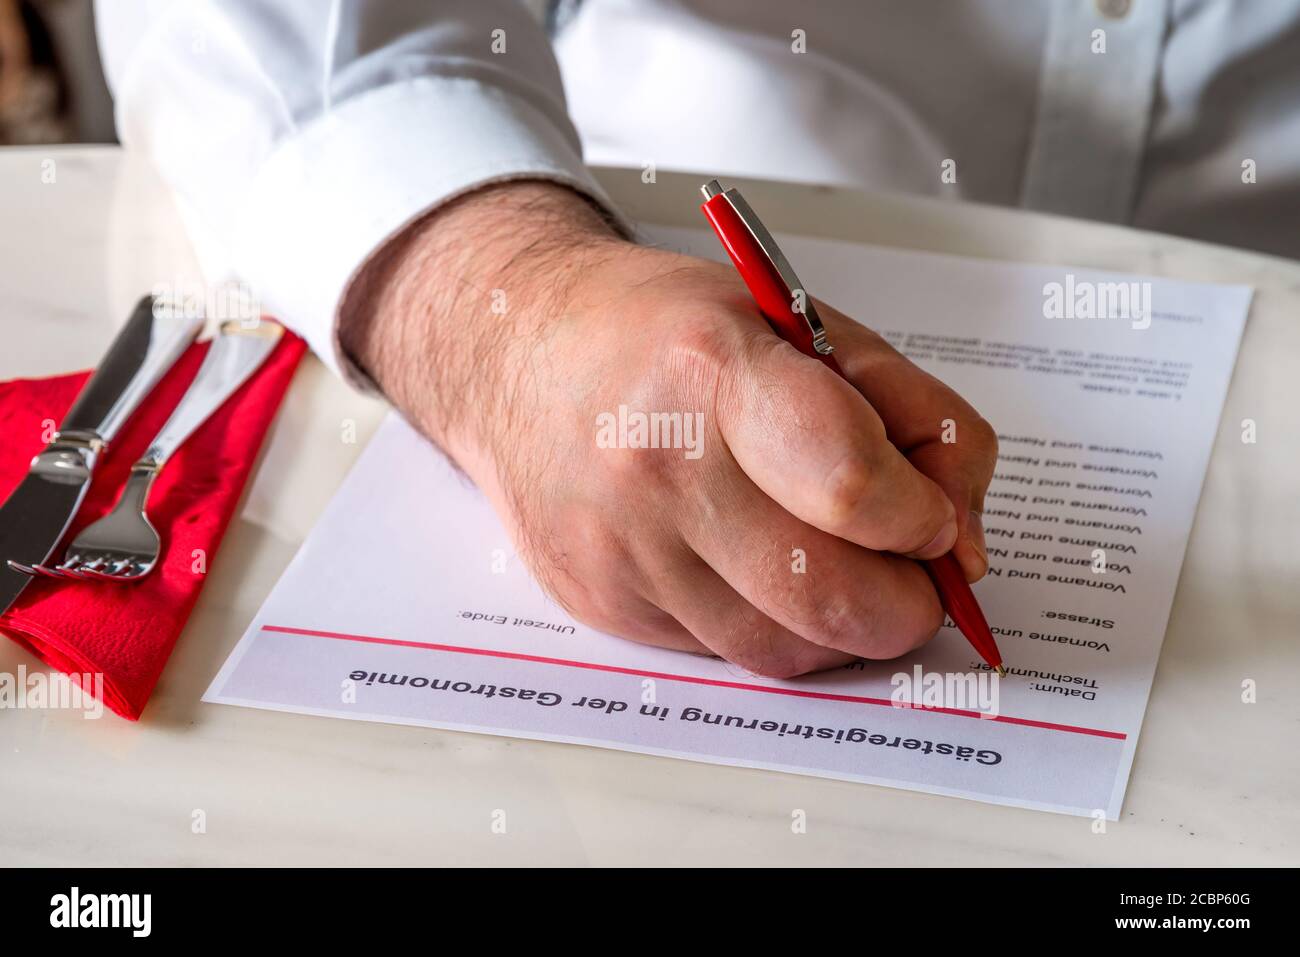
<point x="299" y="137"/>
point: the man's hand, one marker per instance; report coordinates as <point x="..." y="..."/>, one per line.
<point x="509" y="325"/>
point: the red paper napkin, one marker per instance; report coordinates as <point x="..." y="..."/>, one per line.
<point x="126" y="631"/>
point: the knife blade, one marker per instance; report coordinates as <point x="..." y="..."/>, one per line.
<point x="38" y="512"/>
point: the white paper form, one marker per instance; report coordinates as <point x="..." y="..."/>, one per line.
<point x="407" y="604"/>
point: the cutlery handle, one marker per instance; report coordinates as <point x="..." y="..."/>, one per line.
<point x="147" y="347"/>
<point x="237" y="351"/>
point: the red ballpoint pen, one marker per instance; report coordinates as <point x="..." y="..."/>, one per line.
<point x="785" y="304"/>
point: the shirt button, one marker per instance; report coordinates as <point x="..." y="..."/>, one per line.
<point x="1114" y="9"/>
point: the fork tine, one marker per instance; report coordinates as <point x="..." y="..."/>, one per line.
<point x="71" y="568"/>
<point x="119" y="571"/>
<point x="98" y="574"/>
<point x="38" y="571"/>
<point x="49" y="572"/>
<point x="120" y="546"/>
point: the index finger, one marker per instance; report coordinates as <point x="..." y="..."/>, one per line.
<point x="939" y="431"/>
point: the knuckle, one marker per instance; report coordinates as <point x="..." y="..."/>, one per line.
<point x="848" y="491"/>
<point x="701" y="354"/>
<point x="839" y="621"/>
<point x="827" y="616"/>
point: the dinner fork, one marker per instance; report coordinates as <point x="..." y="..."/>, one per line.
<point x="123" y="545"/>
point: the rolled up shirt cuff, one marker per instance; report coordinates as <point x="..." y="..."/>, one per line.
<point x="332" y="194"/>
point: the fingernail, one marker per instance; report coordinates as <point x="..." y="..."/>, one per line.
<point x="941" y="544"/>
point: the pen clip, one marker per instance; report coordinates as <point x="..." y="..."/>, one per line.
<point x="800" y="302"/>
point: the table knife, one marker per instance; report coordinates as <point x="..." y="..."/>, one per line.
<point x="34" y="518"/>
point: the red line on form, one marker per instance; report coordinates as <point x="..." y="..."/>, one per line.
<point x="688" y="679"/>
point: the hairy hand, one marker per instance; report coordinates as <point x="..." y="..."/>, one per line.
<point x="538" y="349"/>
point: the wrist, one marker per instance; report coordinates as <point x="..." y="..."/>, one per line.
<point x="444" y="315"/>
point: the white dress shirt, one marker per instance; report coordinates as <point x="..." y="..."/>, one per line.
<point x="300" y="136"/>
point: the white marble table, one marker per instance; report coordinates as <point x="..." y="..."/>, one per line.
<point x="1216" y="782"/>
